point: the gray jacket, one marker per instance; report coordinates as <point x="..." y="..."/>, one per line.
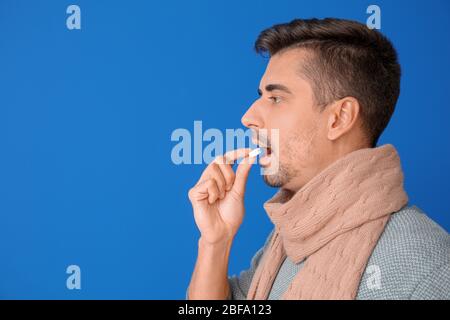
<point x="410" y="261"/>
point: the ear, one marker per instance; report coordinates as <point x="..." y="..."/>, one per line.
<point x="343" y="115"/>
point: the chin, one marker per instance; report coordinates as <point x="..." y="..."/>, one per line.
<point x="276" y="180"/>
<point x="272" y="181"/>
<point x="283" y="178"/>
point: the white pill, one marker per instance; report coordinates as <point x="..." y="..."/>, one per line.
<point x="254" y="152"/>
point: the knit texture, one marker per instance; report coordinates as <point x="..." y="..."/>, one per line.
<point x="411" y="260"/>
<point x="334" y="221"/>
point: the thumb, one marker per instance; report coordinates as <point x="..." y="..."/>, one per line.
<point x="242" y="173"/>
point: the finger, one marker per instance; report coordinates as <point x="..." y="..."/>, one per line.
<point x="231" y="156"/>
<point x="217" y="175"/>
<point x="242" y="173"/>
<point x="227" y="173"/>
<point x="213" y="191"/>
<point x="205" y="190"/>
<point x="198" y="193"/>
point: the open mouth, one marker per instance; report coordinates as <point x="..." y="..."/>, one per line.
<point x="266" y="151"/>
<point x="266" y="156"/>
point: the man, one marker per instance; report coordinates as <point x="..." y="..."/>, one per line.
<point x="343" y="226"/>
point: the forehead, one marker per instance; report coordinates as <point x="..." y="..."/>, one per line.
<point x="285" y="68"/>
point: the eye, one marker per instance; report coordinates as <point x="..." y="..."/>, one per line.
<point x="275" y="99"/>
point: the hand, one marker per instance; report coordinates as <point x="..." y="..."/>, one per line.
<point x="218" y="197"/>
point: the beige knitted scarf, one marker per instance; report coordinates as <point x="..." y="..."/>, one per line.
<point x="333" y="222"/>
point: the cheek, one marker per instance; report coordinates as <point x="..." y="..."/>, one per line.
<point x="298" y="144"/>
<point x="298" y="127"/>
<point x="288" y="124"/>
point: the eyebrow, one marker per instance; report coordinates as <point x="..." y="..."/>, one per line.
<point x="275" y="86"/>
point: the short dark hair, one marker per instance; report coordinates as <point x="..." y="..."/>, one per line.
<point x="348" y="59"/>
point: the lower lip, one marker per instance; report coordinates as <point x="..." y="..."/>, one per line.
<point x="265" y="160"/>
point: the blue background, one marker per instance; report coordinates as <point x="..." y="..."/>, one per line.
<point x="86" y="117"/>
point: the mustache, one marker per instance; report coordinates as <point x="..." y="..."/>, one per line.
<point x="261" y="138"/>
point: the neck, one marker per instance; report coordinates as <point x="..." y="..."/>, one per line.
<point x="348" y="193"/>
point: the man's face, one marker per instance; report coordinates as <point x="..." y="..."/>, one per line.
<point x="286" y="103"/>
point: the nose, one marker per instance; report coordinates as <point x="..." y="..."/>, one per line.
<point x="252" y="119"/>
